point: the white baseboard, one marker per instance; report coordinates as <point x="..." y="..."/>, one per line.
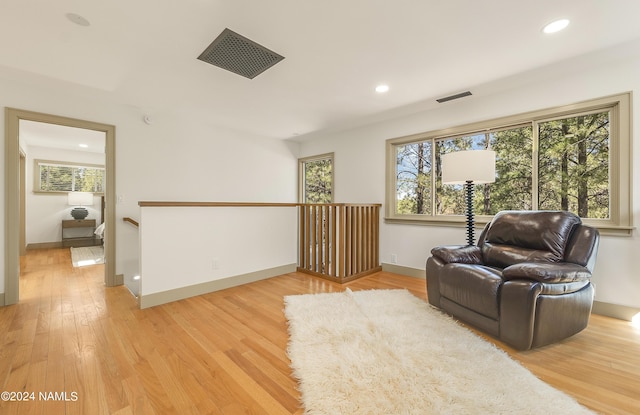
<point x="620" y="312"/>
<point x="119" y="279"/>
<point x="164" y="297"/>
<point x="44" y="245"/>
<point x="402" y="270"/>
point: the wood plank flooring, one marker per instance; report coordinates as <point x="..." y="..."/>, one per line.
<point x="224" y="352"/>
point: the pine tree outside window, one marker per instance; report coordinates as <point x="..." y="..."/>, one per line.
<point x="574" y="158"/>
<point x="316" y="179"/>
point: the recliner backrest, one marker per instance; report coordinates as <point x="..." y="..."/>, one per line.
<point x="527" y="236"/>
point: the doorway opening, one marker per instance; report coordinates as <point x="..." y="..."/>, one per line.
<point x="15" y="195"/>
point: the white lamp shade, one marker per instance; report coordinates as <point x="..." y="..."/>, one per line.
<point x="80" y="198"/>
<point x="477" y="166"/>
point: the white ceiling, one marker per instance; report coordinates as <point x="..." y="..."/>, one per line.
<point x="143" y="53"/>
<point x="39" y="134"/>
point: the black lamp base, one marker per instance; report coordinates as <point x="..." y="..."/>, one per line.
<point x="79" y="213"/>
<point x="470" y="218"/>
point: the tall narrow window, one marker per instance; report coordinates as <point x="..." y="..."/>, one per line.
<point x="316" y="179"/>
<point x="413" y="178"/>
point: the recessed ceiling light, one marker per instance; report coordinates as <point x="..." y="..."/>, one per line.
<point x="77" y="19"/>
<point x="84" y="145"/>
<point x="380" y="89"/>
<point x="556" y="26"/>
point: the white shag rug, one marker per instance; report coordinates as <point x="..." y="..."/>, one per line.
<point x="389" y="352"/>
<point x="87" y="255"/>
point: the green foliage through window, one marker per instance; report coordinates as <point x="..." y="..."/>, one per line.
<point x="573" y="165"/>
<point x="64" y="177"/>
<point x="413" y="178"/>
<point x="571" y="168"/>
<point x="316" y="175"/>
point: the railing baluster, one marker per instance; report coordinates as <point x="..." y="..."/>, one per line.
<point x="307" y="245"/>
<point x="367" y="238"/>
<point x="339" y="241"/>
<point x="354" y="240"/>
<point x="326" y="236"/>
<point x="359" y="235"/>
<point x="313" y="238"/>
<point x="335" y="223"/>
<point x="349" y="244"/>
<point x="303" y="236"/>
<point x="319" y="239"/>
<point x="358" y="239"/>
<point x="341" y="232"/>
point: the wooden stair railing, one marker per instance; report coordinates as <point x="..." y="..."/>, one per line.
<point x="338" y="241"/>
<point x="132" y="221"/>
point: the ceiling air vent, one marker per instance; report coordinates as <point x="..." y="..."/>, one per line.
<point x="455" y="96"/>
<point x="239" y="55"/>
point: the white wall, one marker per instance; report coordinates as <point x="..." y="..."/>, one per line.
<point x="360" y="157"/>
<point x="45" y="212"/>
<point x="206" y="249"/>
<point x="178" y="157"/>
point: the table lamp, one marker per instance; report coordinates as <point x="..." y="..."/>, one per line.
<point x="469" y="167"/>
<point x="79" y="199"/>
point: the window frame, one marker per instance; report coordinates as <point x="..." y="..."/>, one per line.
<point x="301" y="174"/>
<point x="37" y="163"/>
<point x="620" y="215"/>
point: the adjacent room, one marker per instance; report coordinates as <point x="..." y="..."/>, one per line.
<point x="265" y="207"/>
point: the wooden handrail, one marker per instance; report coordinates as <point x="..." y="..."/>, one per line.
<point x="214" y="204"/>
<point x="131" y="221"/>
<point x="243" y="204"/>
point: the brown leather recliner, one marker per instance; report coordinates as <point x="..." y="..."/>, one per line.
<point x="527" y="282"/>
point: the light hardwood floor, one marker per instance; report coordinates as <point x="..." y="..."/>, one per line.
<point x="225" y="352"/>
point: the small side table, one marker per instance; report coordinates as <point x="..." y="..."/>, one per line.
<point x="78" y="232"/>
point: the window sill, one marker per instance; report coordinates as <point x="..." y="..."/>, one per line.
<point x="480" y="222"/>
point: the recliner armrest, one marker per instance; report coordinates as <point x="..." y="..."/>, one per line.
<point x="458" y="254"/>
<point x="547" y="272"/>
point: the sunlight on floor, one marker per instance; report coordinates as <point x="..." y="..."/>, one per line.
<point x="88" y="262"/>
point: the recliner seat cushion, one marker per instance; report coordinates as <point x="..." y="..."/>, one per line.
<point x="549" y="273"/>
<point x="475" y="287"/>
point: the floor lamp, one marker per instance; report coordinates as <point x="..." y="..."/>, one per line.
<point x="469" y="168"/>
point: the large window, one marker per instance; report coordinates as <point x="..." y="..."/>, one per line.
<point x="60" y="176"/>
<point x="316" y="179"/>
<point x="574" y="158"/>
